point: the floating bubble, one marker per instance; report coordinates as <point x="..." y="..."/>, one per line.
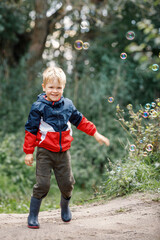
<point x="155" y="67"/>
<point x="84" y="24"/>
<point x="132" y="148"/>
<point x="110" y="99"/>
<point x="147" y="106"/>
<point x="133" y="22"/>
<point x="153" y="113"/>
<point x="86" y="45"/>
<point x="153" y="104"/>
<point x="141" y="141"/>
<point x="130" y="35"/>
<point x="123" y="56"/>
<point x="149" y="147"/>
<point x="78" y="44"/>
<point x="144" y="138"/>
<point x="145" y="114"/>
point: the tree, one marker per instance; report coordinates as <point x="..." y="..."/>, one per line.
<point x="25" y="25"/>
<point x="36" y="33"/>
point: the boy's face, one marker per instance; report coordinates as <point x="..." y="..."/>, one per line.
<point x="53" y="90"/>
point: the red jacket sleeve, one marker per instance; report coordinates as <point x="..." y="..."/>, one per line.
<point x="29" y="142"/>
<point x="87" y="126"/>
<point x="31" y="129"/>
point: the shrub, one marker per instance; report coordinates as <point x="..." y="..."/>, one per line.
<point x="131" y="175"/>
<point x="140" y="170"/>
<point x="143" y="128"/>
<point x="15" y="176"/>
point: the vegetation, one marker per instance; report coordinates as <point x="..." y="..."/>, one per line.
<point x="36" y="34"/>
<point x="140" y="169"/>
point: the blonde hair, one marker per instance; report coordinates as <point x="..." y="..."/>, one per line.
<point x="52" y="73"/>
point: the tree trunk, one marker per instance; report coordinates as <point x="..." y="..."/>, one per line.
<point x="39" y="36"/>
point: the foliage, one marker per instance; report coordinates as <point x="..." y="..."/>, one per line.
<point x="15" y="176"/>
<point x="88" y="162"/>
<point x="93" y="75"/>
<point x="132" y="175"/>
<point x="140" y="171"/>
<point x="15" y="98"/>
<point x="17" y="180"/>
<point x="12" y="21"/>
<point x="144" y="128"/>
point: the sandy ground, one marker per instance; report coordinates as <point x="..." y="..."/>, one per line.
<point x="135" y="217"/>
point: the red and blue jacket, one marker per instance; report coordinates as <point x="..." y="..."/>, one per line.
<point x="49" y="125"/>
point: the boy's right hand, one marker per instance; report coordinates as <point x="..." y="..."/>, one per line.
<point x="29" y="159"/>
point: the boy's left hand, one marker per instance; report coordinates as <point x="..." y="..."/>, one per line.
<point x="101" y="139"/>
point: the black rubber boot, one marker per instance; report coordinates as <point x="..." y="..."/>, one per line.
<point x="65" y="210"/>
<point x="33" y="215"/>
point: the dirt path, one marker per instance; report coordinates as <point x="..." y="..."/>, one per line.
<point x="135" y="217"/>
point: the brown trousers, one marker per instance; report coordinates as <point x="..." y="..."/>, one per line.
<point x="60" y="163"/>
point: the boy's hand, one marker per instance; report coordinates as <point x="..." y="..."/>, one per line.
<point x="29" y="159"/>
<point x="101" y="139"/>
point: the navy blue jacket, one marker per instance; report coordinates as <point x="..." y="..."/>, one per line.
<point x="49" y="125"/>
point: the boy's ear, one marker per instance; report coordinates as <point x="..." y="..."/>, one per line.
<point x="43" y="86"/>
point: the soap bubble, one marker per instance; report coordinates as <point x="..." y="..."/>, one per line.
<point x="130" y="35"/>
<point x="147" y="106"/>
<point x="141" y="141"/>
<point x="110" y="99"/>
<point x="123" y="56"/>
<point x="145" y="114"/>
<point x="153" y="104"/>
<point x="86" y="45"/>
<point x="78" y="44"/>
<point x="155" y="67"/>
<point x="153" y="113"/>
<point x="84" y="24"/>
<point x="133" y="22"/>
<point x="149" y="147"/>
<point x="132" y="148"/>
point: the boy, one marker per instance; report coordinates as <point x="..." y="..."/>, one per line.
<point x="49" y="128"/>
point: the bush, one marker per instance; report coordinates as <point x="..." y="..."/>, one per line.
<point x="15" y="178"/>
<point x="132" y="175"/>
<point x="139" y="171"/>
<point x="143" y="128"/>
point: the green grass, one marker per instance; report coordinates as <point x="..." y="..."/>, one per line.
<point x="132" y="175"/>
<point x="20" y="202"/>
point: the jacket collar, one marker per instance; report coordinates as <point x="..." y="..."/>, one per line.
<point x="42" y="98"/>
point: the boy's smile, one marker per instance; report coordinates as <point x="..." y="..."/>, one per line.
<point x="53" y="90"/>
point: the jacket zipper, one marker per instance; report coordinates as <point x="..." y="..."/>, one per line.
<point x="60" y="134"/>
<point x="60" y="142"/>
